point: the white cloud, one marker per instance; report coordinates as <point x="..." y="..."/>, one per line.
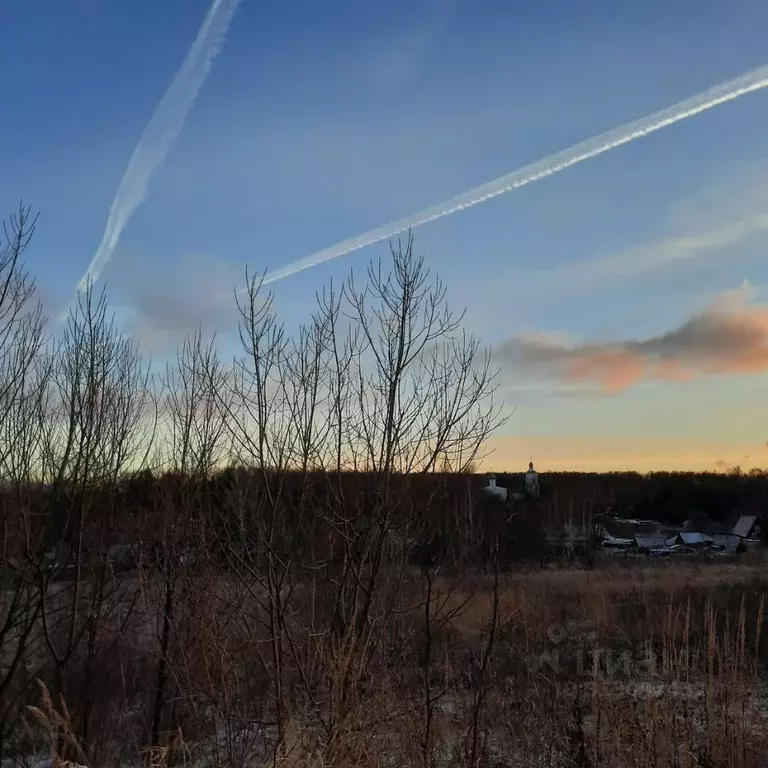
<point x="729" y="216"/>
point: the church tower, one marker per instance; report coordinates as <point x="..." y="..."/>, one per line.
<point x="531" y="481"/>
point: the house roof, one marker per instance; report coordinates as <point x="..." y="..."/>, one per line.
<point x="744" y="525"/>
<point x="690" y="538"/>
<point x="650" y="541"/>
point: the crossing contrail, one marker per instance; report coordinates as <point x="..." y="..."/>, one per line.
<point x="751" y="81"/>
<point x="161" y="131"/>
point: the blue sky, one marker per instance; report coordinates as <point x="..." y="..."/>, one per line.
<point x="320" y="121"/>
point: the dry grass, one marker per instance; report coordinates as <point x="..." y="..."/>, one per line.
<point x="648" y="667"/>
<point x="56" y="723"/>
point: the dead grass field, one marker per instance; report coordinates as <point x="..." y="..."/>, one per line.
<point x="650" y="665"/>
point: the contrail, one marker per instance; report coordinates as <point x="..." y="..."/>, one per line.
<point x="604" y="142"/>
<point x="161" y="131"/>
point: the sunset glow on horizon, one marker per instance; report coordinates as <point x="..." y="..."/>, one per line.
<point x="617" y="455"/>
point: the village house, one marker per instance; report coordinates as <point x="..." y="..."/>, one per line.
<point x="747" y="527"/>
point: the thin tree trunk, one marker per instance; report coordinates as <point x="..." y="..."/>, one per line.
<point x="162" y="665"/>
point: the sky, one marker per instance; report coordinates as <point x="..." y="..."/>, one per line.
<point x="625" y="299"/>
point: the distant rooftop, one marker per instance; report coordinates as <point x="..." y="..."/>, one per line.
<point x="744" y="525"/>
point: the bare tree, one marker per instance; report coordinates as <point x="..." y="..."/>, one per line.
<point x="195" y="389"/>
<point x="22" y="379"/>
<point x="425" y="389"/>
<point x="96" y="420"/>
<point x="21" y="317"/>
<point x="382" y="379"/>
<point x="422" y="400"/>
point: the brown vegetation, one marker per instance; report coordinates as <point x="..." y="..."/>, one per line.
<point x="647" y="666"/>
<point x="340" y="595"/>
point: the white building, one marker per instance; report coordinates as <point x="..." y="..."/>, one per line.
<point x="494" y="490"/>
<point x="531" y="481"/>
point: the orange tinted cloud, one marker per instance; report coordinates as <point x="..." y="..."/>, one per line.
<point x="729" y="337"/>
